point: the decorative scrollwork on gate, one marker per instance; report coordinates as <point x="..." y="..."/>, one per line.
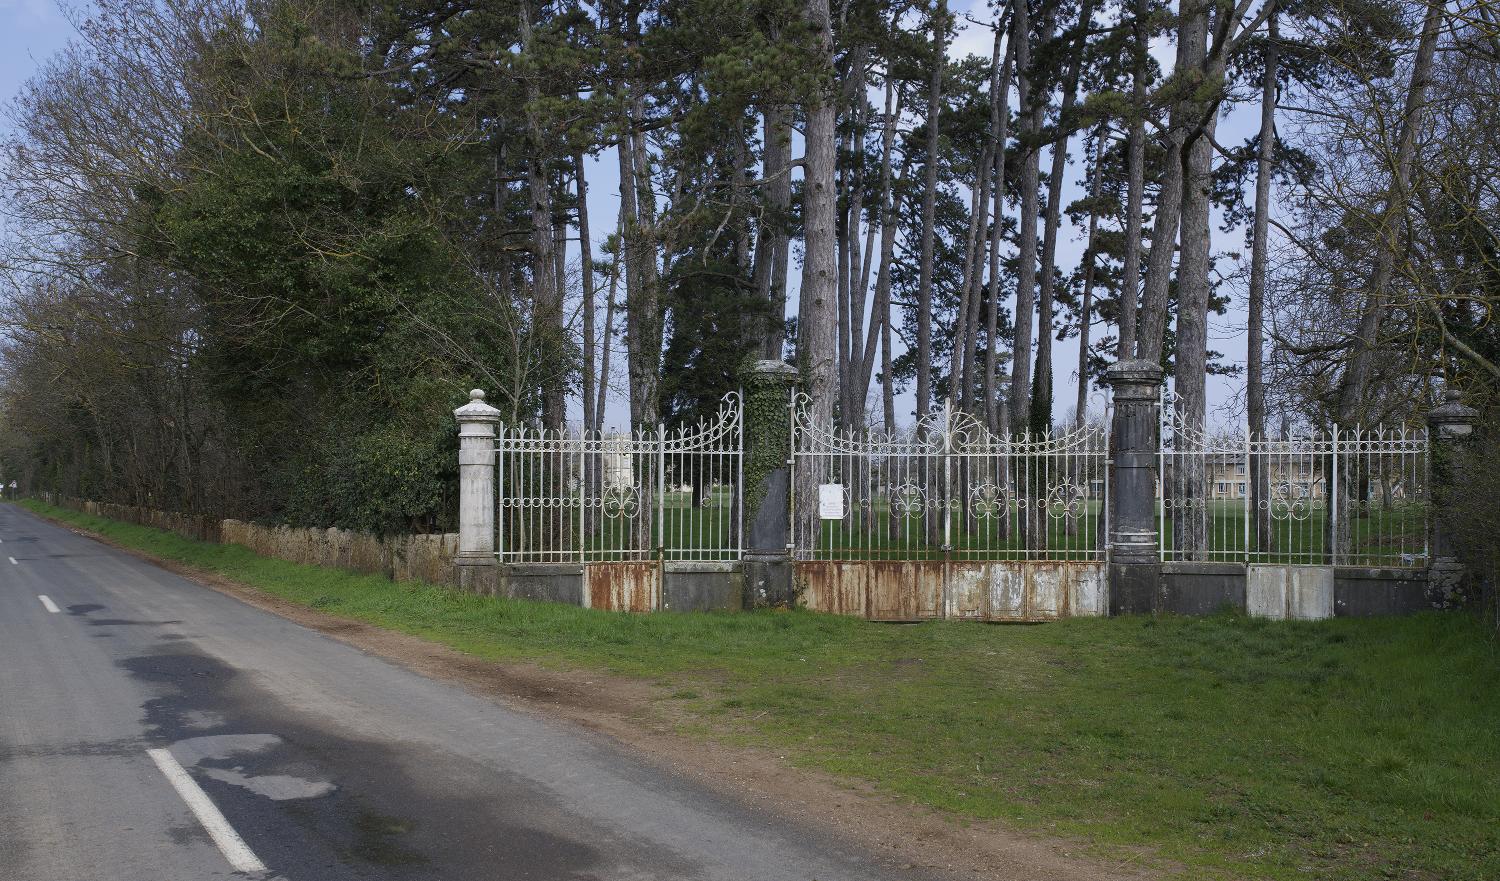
<point x="1066" y="499"/>
<point x="949" y="484"/>
<point x="619" y="501"/>
<point x="987" y="501"/>
<point x="908" y="500"/>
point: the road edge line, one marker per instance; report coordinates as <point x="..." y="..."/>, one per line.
<point x="234" y="848"/>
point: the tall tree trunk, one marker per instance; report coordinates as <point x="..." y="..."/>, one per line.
<point x="607" y="338"/>
<point x="851" y="384"/>
<point x="1135" y="186"/>
<point x="929" y="208"/>
<point x="1354" y="383"/>
<point x="644" y="317"/>
<point x="978" y="211"/>
<point x="1255" y="383"/>
<point x="1041" y="387"/>
<point x="888" y="382"/>
<point x="546" y="287"/>
<point x="1090" y="268"/>
<point x="999" y="122"/>
<point x="586" y="261"/>
<point x="879" y="312"/>
<point x="1031" y="111"/>
<point x="772" y="245"/>
<point x="1191" y="361"/>
<point x="1151" y="316"/>
<point x="815" y="335"/>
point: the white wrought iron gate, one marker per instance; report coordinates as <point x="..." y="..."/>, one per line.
<point x="949" y="519"/>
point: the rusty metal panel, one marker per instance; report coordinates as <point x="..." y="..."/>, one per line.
<point x="836" y="588"/>
<point x="1046" y="590"/>
<point x="930" y="587"/>
<point x="624" y="587"/>
<point x="1086" y="590"/>
<point x="968" y="590"/>
<point x="906" y="590"/>
<point x="1007" y="587"/>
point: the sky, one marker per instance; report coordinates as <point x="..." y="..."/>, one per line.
<point x="32" y="30"/>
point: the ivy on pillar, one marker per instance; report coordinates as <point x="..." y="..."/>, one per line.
<point x="768" y="441"/>
<point x="478" y="571"/>
<point x="1450" y="432"/>
<point x="1135" y="436"/>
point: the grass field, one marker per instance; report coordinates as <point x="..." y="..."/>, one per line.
<point x="1222" y="748"/>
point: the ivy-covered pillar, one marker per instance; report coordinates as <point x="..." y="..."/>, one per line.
<point x="478" y="570"/>
<point x="767" y="504"/>
<point x="1450" y="430"/>
<point x="1134" y="439"/>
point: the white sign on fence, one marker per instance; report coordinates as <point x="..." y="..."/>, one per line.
<point x="831" y="501"/>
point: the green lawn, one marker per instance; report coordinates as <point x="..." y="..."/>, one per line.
<point x="1227" y="747"/>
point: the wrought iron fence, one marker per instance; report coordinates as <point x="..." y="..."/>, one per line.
<point x="1348" y="497"/>
<point x="947" y="486"/>
<point x="670" y="493"/>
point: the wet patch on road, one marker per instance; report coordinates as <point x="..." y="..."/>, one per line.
<point x="317" y="805"/>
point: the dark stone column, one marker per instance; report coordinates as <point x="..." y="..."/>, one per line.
<point x="768" y="446"/>
<point x="1134" y="561"/>
<point x="1450" y="430"/>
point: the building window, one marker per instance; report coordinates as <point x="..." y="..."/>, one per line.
<point x="1239" y="469"/>
<point x="1222" y="488"/>
<point x="1240" y="489"/>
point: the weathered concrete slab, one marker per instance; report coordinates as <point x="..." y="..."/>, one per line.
<point x="1046" y="589"/>
<point x="1007" y="591"/>
<point x="1310" y="590"/>
<point x="1201" y="588"/>
<point x="552" y="583"/>
<point x="1301" y="593"/>
<point x="1088" y="595"/>
<point x="703" y="587"/>
<point x="968" y="591"/>
<point x="1365" y="592"/>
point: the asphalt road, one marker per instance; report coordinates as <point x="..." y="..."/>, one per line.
<point x="152" y="730"/>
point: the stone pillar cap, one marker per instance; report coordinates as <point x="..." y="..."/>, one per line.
<point x="1133" y="370"/>
<point x="1452" y="411"/>
<point x="476" y="410"/>
<point x="774" y="367"/>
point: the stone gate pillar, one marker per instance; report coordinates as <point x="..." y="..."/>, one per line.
<point x="1450" y="430"/>
<point x="766" y="493"/>
<point x="1134" y="439"/>
<point x="478" y="570"/>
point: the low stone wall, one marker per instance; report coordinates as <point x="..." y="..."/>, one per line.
<point x="195" y="526"/>
<point x="426" y="558"/>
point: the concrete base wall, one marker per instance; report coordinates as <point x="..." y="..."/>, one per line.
<point x="1201" y="588"/>
<point x="553" y="583"/>
<point x="1361" y="592"/>
<point x="703" y="587"/>
<point x="1306" y="593"/>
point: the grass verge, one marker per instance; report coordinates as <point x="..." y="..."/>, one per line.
<point x="1231" y="747"/>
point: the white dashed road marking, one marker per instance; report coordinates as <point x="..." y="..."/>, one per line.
<point x="239" y="854"/>
<point x="48" y="604"/>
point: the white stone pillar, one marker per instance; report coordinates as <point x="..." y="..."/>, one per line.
<point x="477" y="567"/>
